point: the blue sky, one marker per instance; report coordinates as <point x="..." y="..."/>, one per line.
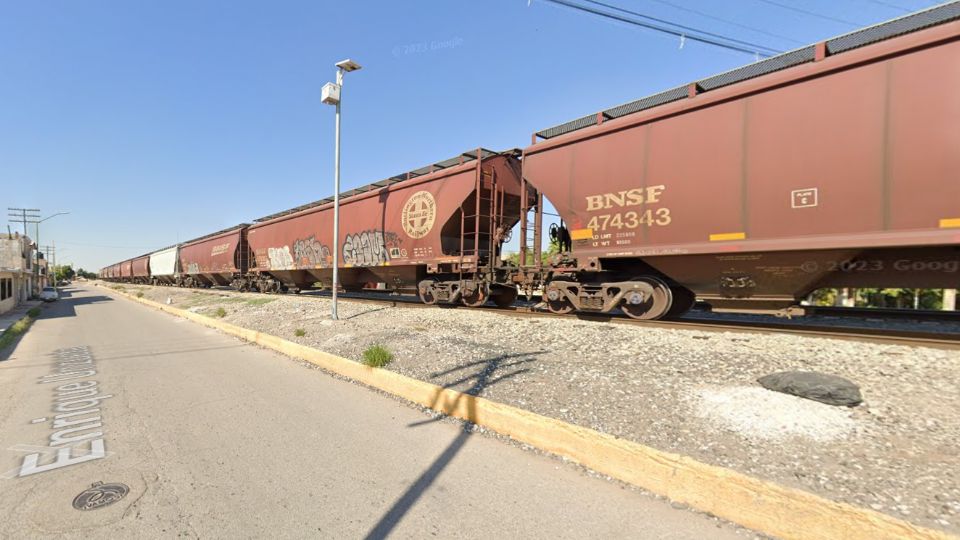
<point x="158" y="121"/>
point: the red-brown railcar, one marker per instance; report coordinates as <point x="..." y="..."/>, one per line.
<point x="219" y="258"/>
<point x="836" y="165"/>
<point x="126" y="270"/>
<point x="438" y="230"/>
<point x="140" y="269"/>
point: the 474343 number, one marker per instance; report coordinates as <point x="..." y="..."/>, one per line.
<point x="631" y="220"/>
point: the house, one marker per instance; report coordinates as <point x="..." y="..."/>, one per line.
<point x="16" y="270"/>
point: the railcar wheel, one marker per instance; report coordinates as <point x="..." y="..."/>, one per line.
<point x="475" y="299"/>
<point x="683" y="301"/>
<point x="556" y="301"/>
<point x="504" y="297"/>
<point x="560" y="307"/>
<point x="653" y="307"/>
<point x="427" y="293"/>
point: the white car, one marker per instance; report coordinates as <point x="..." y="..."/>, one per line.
<point x="49" y="294"/>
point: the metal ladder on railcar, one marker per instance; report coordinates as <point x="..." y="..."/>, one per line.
<point x="479" y="244"/>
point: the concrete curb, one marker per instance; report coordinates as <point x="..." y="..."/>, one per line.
<point x="753" y="503"/>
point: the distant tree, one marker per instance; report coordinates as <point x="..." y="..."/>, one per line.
<point x="879" y="298"/>
<point x="64" y="271"/>
<point x="552" y="249"/>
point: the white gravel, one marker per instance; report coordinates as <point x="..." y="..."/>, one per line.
<point x="760" y="414"/>
<point x="691" y="392"/>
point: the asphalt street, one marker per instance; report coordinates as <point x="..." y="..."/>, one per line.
<point x="216" y="438"/>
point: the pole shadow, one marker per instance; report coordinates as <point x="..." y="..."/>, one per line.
<point x="482" y="379"/>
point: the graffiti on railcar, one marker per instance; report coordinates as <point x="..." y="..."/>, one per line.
<point x="392" y="242"/>
<point x="309" y="252"/>
<point x="371" y="248"/>
<point x="280" y="258"/>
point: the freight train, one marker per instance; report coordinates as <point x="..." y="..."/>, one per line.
<point x="833" y="165"/>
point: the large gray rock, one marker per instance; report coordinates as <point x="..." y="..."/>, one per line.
<point x="829" y="389"/>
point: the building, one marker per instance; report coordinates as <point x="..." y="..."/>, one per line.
<point x="16" y="270"/>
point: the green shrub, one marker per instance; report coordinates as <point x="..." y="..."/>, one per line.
<point x="299" y="332"/>
<point x="220" y="313"/>
<point x="34" y="312"/>
<point x="139" y="294"/>
<point x="377" y="356"/>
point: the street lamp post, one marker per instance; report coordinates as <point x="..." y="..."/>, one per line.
<point x="38" y="244"/>
<point x="331" y="96"/>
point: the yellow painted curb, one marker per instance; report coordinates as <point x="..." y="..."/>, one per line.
<point x="751" y="502"/>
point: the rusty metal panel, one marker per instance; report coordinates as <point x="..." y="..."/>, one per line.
<point x="141" y="267"/>
<point x="922" y="147"/>
<point x="126" y="269"/>
<point x="842" y="156"/>
<point x="823" y="137"/>
<point x="213" y="254"/>
<point x="409" y="222"/>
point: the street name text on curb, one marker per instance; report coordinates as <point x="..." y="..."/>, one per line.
<point x="76" y="419"/>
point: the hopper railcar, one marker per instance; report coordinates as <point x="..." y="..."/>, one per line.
<point x="836" y="165"/>
<point x="140" y="270"/>
<point x="437" y="231"/>
<point x="218" y="258"/>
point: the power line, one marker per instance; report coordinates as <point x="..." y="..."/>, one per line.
<point x="702" y="32"/>
<point x="104" y="246"/>
<point x="812" y="13"/>
<point x="658" y="28"/>
<point x="728" y="21"/>
<point x="891" y="6"/>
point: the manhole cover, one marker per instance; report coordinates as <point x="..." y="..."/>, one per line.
<point x="100" y="495"/>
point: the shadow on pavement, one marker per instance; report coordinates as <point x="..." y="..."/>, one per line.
<point x="482" y="379"/>
<point x="65" y="306"/>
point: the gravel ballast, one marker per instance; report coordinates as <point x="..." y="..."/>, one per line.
<point x="686" y="391"/>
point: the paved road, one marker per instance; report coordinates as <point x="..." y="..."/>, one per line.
<point x="216" y="438"/>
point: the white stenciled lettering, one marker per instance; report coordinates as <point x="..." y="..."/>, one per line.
<point x="78" y="413"/>
<point x="76" y="386"/>
<point x="59" y="423"/>
<point x="68" y="406"/>
<point x="60" y="377"/>
<point x="64" y="458"/>
<point x="78" y="404"/>
<point x="76" y="394"/>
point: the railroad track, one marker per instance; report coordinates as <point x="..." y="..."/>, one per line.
<point x="943" y="328"/>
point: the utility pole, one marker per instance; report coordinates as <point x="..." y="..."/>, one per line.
<point x="24" y="215"/>
<point x="29" y="215"/>
<point x="51" y="252"/>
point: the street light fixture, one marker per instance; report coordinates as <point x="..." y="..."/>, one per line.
<point x="38" y="245"/>
<point x="331" y="95"/>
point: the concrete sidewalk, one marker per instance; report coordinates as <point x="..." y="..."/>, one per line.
<point x="9" y="318"/>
